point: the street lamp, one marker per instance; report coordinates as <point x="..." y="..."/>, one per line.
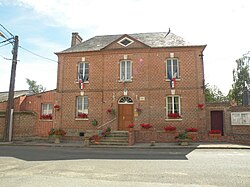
<point x="10" y="107"/>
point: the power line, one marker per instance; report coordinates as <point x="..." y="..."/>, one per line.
<point x="37" y="54"/>
<point x="5" y="58"/>
<point x="5" y="44"/>
<point x="7" y="30"/>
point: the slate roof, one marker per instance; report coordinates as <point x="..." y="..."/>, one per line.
<point x="154" y="40"/>
<point x="4" y="95"/>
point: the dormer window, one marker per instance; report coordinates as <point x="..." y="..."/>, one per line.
<point x="125" y="42"/>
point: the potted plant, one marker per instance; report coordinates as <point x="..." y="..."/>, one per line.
<point x="57" y="134"/>
<point x="131" y="127"/>
<point x="57" y="107"/>
<point x="111" y="111"/>
<point x="146" y="126"/>
<point x="174" y="116"/>
<point x="192" y="132"/>
<point x="46" y="116"/>
<point x="200" y="106"/>
<point x="139" y="110"/>
<point x="94" y="122"/>
<point x="170" y="129"/>
<point x="183" y="138"/>
<point x="83" y="115"/>
<point x="214" y="133"/>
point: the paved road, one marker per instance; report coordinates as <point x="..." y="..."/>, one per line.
<point x="40" y="153"/>
<point x="69" y="167"/>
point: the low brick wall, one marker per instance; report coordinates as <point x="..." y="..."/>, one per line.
<point x="23" y="124"/>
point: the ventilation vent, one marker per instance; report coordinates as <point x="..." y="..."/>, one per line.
<point x="125" y="42"/>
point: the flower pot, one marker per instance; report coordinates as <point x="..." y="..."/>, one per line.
<point x="214" y="135"/>
<point x="171" y="132"/>
<point x="57" y="140"/>
<point x="184" y="142"/>
<point x="130" y="129"/>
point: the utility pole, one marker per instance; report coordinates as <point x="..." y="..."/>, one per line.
<point x="10" y="108"/>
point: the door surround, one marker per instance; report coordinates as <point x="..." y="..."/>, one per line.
<point x="125" y="112"/>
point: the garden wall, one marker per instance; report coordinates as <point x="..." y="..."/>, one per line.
<point x="23" y="126"/>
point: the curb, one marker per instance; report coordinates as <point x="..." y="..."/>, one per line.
<point x="216" y="146"/>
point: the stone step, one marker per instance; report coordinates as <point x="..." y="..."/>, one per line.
<point x="113" y="140"/>
<point x="111" y="143"/>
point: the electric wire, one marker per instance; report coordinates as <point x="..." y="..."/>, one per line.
<point x="5" y="44"/>
<point x="37" y="54"/>
<point x="5" y="57"/>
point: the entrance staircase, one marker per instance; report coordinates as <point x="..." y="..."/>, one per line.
<point x="115" y="138"/>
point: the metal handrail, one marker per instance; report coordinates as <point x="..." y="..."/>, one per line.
<point x="106" y="123"/>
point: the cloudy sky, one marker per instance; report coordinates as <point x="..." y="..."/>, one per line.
<point x="45" y="27"/>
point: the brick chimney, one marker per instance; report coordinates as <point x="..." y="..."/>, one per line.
<point x="76" y="39"/>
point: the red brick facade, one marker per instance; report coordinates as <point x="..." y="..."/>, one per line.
<point x="149" y="81"/>
<point x="148" y="90"/>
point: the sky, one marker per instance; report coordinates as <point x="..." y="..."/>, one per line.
<point x="45" y="27"/>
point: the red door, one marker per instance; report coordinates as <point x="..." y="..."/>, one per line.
<point x="125" y="116"/>
<point x="217" y="120"/>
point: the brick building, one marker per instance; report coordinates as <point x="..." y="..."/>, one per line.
<point x="116" y="80"/>
<point x="132" y="78"/>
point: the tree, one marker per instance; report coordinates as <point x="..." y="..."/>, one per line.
<point x="34" y="87"/>
<point x="214" y="95"/>
<point x="240" y="76"/>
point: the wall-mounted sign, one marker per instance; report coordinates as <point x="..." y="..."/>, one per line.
<point x="142" y="98"/>
<point x="240" y="118"/>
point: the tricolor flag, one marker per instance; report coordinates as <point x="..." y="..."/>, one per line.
<point x="81" y="84"/>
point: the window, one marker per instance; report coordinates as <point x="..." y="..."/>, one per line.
<point x="46" y="113"/>
<point x="83" y="71"/>
<point x="173" y="107"/>
<point x="125" y="42"/>
<point x="172" y="68"/>
<point x="125" y="70"/>
<point x="82" y="107"/>
<point x="46" y="109"/>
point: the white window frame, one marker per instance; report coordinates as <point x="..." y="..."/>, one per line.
<point x="126" y="71"/>
<point x="46" y="108"/>
<point x="172" y="68"/>
<point x="125" y="38"/>
<point x="84" y="105"/>
<point x="173" y="104"/>
<point x="82" y="65"/>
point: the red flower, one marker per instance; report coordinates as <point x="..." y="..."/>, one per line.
<point x="131" y="125"/>
<point x="56" y="106"/>
<point x="191" y="129"/>
<point x="146" y="126"/>
<point x="214" y="132"/>
<point x="82" y="115"/>
<point x="46" y="116"/>
<point x="200" y="106"/>
<point x="169" y="128"/>
<point x="56" y="132"/>
<point x="174" y="115"/>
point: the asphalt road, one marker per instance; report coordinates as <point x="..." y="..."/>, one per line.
<point x="26" y="166"/>
<point x="42" y="153"/>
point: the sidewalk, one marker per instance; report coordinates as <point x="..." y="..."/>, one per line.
<point x="79" y="144"/>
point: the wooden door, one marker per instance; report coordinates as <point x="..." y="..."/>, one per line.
<point x="125" y="115"/>
<point x="217" y="120"/>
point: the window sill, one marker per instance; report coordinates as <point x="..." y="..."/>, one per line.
<point x="171" y="119"/>
<point x="86" y="82"/>
<point x="168" y="80"/>
<point x="46" y="120"/>
<point x="81" y="119"/>
<point x="121" y="81"/>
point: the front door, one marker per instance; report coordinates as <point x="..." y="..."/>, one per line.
<point x="217" y="120"/>
<point x="125" y="115"/>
